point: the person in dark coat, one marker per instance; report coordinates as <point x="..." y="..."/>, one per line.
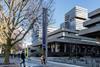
<point x="23" y="58"/>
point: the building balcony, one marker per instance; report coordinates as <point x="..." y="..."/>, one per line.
<point x="91" y="32"/>
<point x="91" y="22"/>
<point x="94" y="13"/>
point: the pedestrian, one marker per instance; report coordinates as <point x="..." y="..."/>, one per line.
<point x="42" y="59"/>
<point x="23" y="58"/>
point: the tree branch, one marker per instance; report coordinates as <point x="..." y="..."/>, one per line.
<point x="6" y="34"/>
<point x="7" y="4"/>
<point x="18" y="34"/>
<point x="21" y="8"/>
<point x="25" y="32"/>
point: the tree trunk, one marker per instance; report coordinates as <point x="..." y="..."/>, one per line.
<point x="7" y="54"/>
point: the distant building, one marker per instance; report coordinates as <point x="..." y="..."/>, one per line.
<point x="37" y="34"/>
<point x="75" y="17"/>
<point x="93" y="25"/>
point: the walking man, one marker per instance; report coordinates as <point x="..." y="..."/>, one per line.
<point x="23" y="58"/>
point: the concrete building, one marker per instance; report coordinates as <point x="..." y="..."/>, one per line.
<point x="64" y="42"/>
<point x="75" y="17"/>
<point x="93" y="25"/>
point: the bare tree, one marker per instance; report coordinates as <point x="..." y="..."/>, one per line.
<point x="17" y="18"/>
<point x="37" y="27"/>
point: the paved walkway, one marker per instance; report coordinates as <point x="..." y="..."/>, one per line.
<point x="35" y="62"/>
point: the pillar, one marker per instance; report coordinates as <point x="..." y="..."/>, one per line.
<point x="56" y="47"/>
<point x="52" y="47"/>
<point x="65" y="48"/>
<point x="98" y="39"/>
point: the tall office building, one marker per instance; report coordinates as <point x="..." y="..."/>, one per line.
<point x="75" y="17"/>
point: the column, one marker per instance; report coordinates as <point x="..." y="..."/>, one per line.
<point x="52" y="48"/>
<point x="98" y="39"/>
<point x="65" y="48"/>
<point x="56" y="47"/>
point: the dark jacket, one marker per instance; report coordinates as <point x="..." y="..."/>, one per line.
<point x="22" y="55"/>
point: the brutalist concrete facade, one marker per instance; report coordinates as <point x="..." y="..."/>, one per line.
<point x="93" y="25"/>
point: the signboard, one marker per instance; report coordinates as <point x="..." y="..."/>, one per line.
<point x="44" y="29"/>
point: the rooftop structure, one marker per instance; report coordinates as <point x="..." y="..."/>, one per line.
<point x="75" y="17"/>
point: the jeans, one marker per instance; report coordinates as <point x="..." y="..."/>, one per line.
<point x="23" y="62"/>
